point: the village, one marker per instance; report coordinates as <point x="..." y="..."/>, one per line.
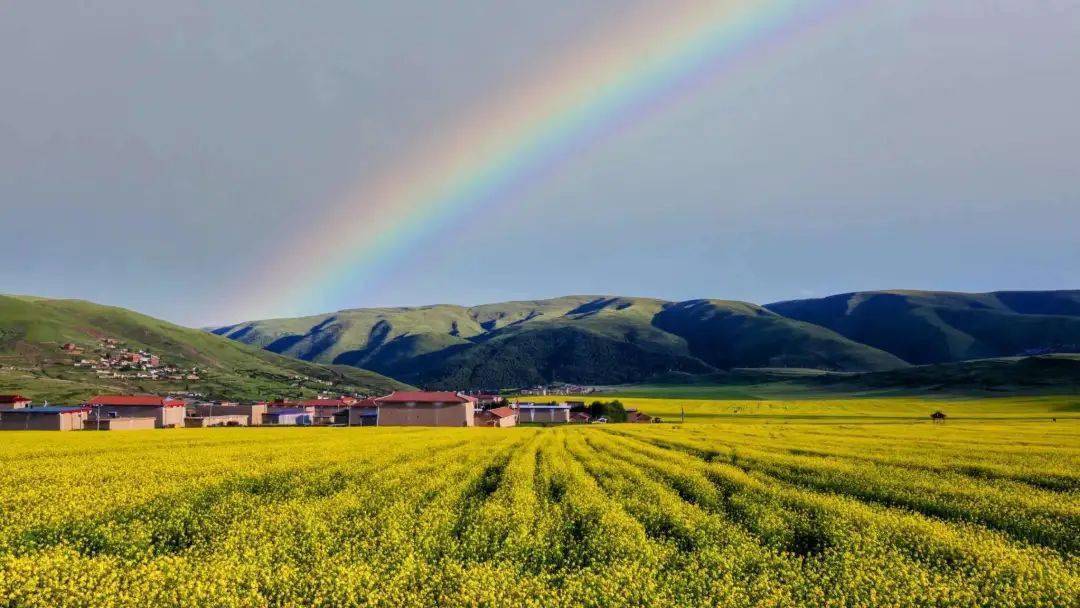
<point x="400" y="408"/>
<point x="112" y="359"/>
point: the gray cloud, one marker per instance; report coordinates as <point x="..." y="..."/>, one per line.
<point x="153" y="154"/>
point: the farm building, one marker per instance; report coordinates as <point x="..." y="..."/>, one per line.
<point x="543" y="412"/>
<point x="13" y="402"/>
<point x="168" y="413"/>
<point x="51" y="418"/>
<point x="425" y="408"/>
<point x="638" y="417"/>
<point x="127" y="423"/>
<point x="284" y="416"/>
<point x="580" y="417"/>
<point x="499" y="417"/>
<point x="252" y="411"/>
<point x="217" y="420"/>
<point x="363" y="413"/>
<point x="281" y="404"/>
<point x="324" y="411"/>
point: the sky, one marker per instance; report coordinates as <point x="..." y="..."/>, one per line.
<point x="210" y="163"/>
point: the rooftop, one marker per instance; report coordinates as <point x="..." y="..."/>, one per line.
<point x="49" y="409"/>
<point x="323" y="403"/>
<point x="425" y="397"/>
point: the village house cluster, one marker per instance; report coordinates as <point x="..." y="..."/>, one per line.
<point x="111" y="359"/>
<point x="544" y="390"/>
<point x="400" y="408"/>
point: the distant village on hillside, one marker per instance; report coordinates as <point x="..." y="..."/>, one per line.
<point x="110" y="358"/>
<point x="114" y="360"/>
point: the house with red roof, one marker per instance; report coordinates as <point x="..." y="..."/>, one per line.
<point x="580" y="417"/>
<point x="13" y="402"/>
<point x="253" y="412"/>
<point x="364" y="412"/>
<point x="426" y="408"/>
<point x="501" y="417"/>
<point x="166" y="412"/>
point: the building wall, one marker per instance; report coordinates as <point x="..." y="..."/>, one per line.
<point x="216" y="420"/>
<point x="426" y="414"/>
<point x="324" y="415"/>
<point x="14" y="405"/>
<point x="289" y="419"/>
<point x="165" y="417"/>
<point x="488" y="420"/>
<point x="173" y="416"/>
<point x="544" y="415"/>
<point x="121" y="424"/>
<point x="363" y="416"/>
<point x="274" y="409"/>
<point x="42" y="422"/>
<point x="254" y="412"/>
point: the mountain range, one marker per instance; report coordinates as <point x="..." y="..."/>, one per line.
<point x="614" y="339"/>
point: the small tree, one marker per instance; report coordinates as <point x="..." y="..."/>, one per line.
<point x="938" y="416"/>
<point x="612" y="410"/>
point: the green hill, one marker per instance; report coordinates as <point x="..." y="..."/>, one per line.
<point x="579" y="339"/>
<point x="735" y="334"/>
<point x="1055" y="373"/>
<point x="32" y="331"/>
<point x="936" y="327"/>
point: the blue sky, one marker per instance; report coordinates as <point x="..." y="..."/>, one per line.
<point x="154" y="157"/>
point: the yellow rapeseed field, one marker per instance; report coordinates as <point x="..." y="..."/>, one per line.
<point x="723" y="513"/>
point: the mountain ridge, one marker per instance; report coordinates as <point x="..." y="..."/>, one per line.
<point x="941" y="327"/>
<point x="605" y="339"/>
<point x="577" y="338"/>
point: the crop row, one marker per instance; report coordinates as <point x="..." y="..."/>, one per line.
<point x="651" y="515"/>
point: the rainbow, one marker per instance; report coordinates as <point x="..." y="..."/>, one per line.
<point x="646" y="60"/>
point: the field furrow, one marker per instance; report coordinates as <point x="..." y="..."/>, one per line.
<point x="733" y="514"/>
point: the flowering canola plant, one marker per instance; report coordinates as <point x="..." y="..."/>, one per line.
<point x="982" y="513"/>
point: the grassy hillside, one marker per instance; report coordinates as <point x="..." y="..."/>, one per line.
<point x="1057" y="374"/>
<point x="735" y="334"/>
<point x="31" y="361"/>
<point x="581" y="339"/>
<point x="934" y="327"/>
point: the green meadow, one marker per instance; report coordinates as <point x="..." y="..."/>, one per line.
<point x="907" y="408"/>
